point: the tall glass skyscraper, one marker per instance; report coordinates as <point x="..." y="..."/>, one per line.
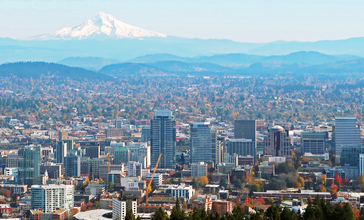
<point x="72" y="164"/>
<point x="163" y="139"/>
<point x="62" y="148"/>
<point x="29" y="165"/>
<point x="203" y="143"/>
<point x="346" y="133"/>
<point x="247" y="129"/>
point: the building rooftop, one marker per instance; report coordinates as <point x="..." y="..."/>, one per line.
<point x="345" y="118"/>
<point x="163" y="113"/>
<point x="121" y="149"/>
<point x="52" y="186"/>
<point x="93" y="214"/>
<point x="240" y="140"/>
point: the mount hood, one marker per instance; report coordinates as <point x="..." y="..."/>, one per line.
<point x="101" y="26"/>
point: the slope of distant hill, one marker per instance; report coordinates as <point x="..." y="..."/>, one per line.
<point x="237" y="59"/>
<point x="306" y="57"/>
<point x="152" y="58"/>
<point x="42" y="69"/>
<point x="132" y="69"/>
<point x="182" y="67"/>
<point x="355" y="66"/>
<point x="89" y="63"/>
<point x="339" y="68"/>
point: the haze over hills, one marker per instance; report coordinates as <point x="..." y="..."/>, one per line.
<point x="104" y="36"/>
<point x="38" y="70"/>
<point x="89" y="63"/>
<point x="332" y="69"/>
<point x="236" y="59"/>
<point x="217" y="62"/>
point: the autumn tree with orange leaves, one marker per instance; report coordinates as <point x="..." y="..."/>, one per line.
<point x="360" y="180"/>
<point x="337" y="179"/>
<point x="203" y="180"/>
<point x="322" y="188"/>
<point x="333" y="190"/>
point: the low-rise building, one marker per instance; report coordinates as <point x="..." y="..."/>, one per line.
<point x="222" y="207"/>
<point x="181" y="191"/>
<point x="95" y="189"/>
<point x="198" y="169"/>
<point x="5" y="210"/>
<point x="158" y="178"/>
<point x="15" y="189"/>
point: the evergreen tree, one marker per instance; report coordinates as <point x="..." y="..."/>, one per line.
<point x="273" y="212"/>
<point x="177" y="213"/>
<point x="238" y="184"/>
<point x="129" y="215"/>
<point x="223" y="183"/>
<point x="194" y="183"/>
<point x="160" y="215"/>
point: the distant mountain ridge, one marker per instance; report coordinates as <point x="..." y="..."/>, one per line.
<point x="236" y="59"/>
<point x="170" y="67"/>
<point x="89" y="63"/>
<point x="41" y="69"/>
<point x="220" y="61"/>
<point x="128" y="49"/>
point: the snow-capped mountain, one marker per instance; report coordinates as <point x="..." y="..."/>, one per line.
<point x="101" y="26"/>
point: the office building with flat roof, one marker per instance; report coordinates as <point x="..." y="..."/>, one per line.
<point x="163" y="139"/>
<point x="346" y="133"/>
<point x="203" y="142"/>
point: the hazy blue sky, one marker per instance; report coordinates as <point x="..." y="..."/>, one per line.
<point x="240" y="20"/>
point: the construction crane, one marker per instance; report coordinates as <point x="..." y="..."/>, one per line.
<point x="151" y="179"/>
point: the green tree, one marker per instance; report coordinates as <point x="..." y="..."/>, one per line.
<point x="194" y="183"/>
<point x="273" y="212"/>
<point x="322" y="180"/>
<point x="160" y="215"/>
<point x="256" y="185"/>
<point x="238" y="184"/>
<point x="129" y="215"/>
<point x="111" y="186"/>
<point x="237" y="214"/>
<point x="223" y="183"/>
<point x="177" y="213"/>
<point x="97" y="204"/>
